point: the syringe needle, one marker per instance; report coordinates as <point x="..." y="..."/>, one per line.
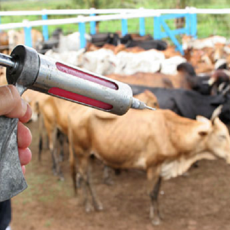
<point x="137" y="104"/>
<point x="147" y="107"/>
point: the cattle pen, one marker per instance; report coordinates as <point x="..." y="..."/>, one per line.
<point x="151" y="170"/>
<point x="159" y="21"/>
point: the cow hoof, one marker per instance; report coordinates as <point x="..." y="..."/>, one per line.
<point x="156" y="221"/>
<point x="61" y="178"/>
<point x="88" y="208"/>
<point x="186" y="174"/>
<point x="98" y="207"/>
<point x="108" y="182"/>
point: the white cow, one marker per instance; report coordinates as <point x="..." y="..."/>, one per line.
<point x="169" y="65"/>
<point x="70" y="57"/>
<point x="99" y="61"/>
<point x="128" y="63"/>
<point x="71" y="42"/>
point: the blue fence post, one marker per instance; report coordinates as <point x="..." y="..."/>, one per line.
<point x="172" y="37"/>
<point x="157" y="27"/>
<point x="82" y="34"/>
<point x="188" y="24"/>
<point x="142" y="24"/>
<point x="124" y="26"/>
<point x="193" y="25"/>
<point x="45" y="27"/>
<point x="27" y="32"/>
<point x="92" y="24"/>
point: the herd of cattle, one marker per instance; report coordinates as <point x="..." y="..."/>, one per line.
<point x="191" y="93"/>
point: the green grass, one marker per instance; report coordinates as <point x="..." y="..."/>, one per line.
<point x="207" y="24"/>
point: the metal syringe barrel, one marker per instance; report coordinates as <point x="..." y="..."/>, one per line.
<point x="43" y="74"/>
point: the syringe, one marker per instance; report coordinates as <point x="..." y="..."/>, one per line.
<point x="26" y="69"/>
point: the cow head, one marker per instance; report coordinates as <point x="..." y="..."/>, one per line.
<point x="215" y="137"/>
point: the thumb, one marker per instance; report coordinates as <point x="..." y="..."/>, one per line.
<point x="11" y="104"/>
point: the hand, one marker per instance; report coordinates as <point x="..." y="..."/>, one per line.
<point x="11" y="105"/>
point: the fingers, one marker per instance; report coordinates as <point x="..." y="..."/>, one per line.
<point x="11" y="104"/>
<point x="24" y="169"/>
<point x="24" y="140"/>
<point x="24" y="136"/>
<point x="27" y="115"/>
<point x="25" y="156"/>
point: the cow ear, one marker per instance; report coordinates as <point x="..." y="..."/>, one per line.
<point x="203" y="133"/>
<point x="205" y="128"/>
<point x="203" y="119"/>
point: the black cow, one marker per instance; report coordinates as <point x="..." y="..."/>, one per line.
<point x="188" y="103"/>
<point x="220" y="79"/>
<point x="101" y="39"/>
<point x="52" y="43"/>
<point x="147" y="44"/>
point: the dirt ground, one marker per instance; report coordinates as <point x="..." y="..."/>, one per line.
<point x="200" y="201"/>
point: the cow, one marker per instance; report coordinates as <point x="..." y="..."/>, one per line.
<point x="74" y="58"/>
<point x="52" y="42"/>
<point x="190" y="42"/>
<point x="128" y="41"/>
<point x="188" y="103"/>
<point x="99" y="61"/>
<point x="4" y="41"/>
<point x="71" y="42"/>
<point x="129" y="63"/>
<point x="161" y="143"/>
<point x="54" y="114"/>
<point x="145" y="79"/>
<point x="18" y="38"/>
<point x="185" y="78"/>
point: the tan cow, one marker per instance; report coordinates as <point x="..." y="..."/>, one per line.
<point x="162" y="143"/>
<point x="54" y="114"/>
<point x="55" y="111"/>
<point x="18" y="38"/>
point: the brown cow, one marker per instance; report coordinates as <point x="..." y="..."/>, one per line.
<point x="54" y="114"/>
<point x="4" y="41"/>
<point x="18" y="38"/>
<point x="147" y="79"/>
<point x="155" y="79"/>
<point x="162" y="143"/>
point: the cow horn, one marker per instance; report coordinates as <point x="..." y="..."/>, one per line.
<point x="226" y="90"/>
<point x="216" y="113"/>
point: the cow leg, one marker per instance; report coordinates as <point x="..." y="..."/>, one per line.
<point x="154" y="209"/>
<point x="97" y="204"/>
<point x="53" y="148"/>
<point x="40" y="149"/>
<point x="83" y="165"/>
<point x="61" y="140"/>
<point x="40" y="129"/>
<point x="73" y="167"/>
<point x="84" y="169"/>
<point x="106" y="175"/>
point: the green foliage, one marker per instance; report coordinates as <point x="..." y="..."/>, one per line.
<point x="104" y="4"/>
